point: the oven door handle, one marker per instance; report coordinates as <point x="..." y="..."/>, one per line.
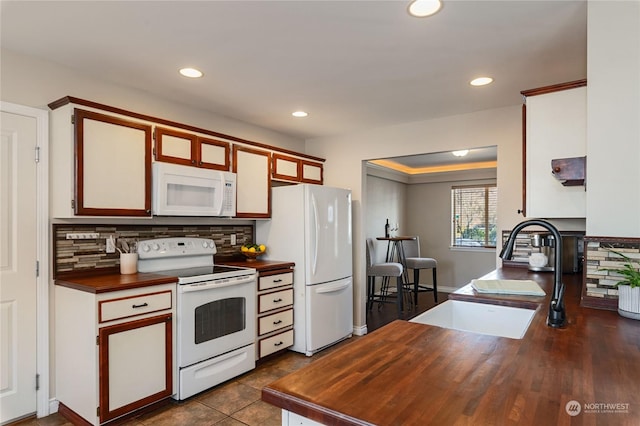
<point x="208" y="285"/>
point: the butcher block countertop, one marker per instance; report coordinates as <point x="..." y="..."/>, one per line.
<point x="414" y="374"/>
<point x="115" y="282"/>
<point x="259" y="265"/>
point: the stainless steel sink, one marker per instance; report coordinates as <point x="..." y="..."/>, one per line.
<point x="494" y="320"/>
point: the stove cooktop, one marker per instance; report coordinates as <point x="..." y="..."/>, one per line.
<point x="207" y="273"/>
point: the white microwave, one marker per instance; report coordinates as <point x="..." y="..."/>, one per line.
<point x="190" y="191"/>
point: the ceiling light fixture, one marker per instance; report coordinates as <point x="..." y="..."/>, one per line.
<point x="299" y="114"/>
<point x="191" y="72"/>
<point x="481" y="81"/>
<point x="424" y="8"/>
<point x="460" y="153"/>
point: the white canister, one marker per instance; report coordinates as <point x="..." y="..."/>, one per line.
<point x="538" y="260"/>
<point x="128" y="263"/>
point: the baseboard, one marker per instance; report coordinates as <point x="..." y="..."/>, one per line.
<point x="360" y="331"/>
<point x="54" y="404"/>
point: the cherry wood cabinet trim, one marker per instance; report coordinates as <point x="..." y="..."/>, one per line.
<point x="302" y="178"/>
<point x="227" y="150"/>
<point x="103" y="336"/>
<point x="554" y="88"/>
<point x="160" y="132"/>
<point x="267" y="154"/>
<point x="80" y="115"/>
<point x="71" y="99"/>
<point x="275" y="157"/>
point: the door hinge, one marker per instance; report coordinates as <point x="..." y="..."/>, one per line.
<point x="98" y="340"/>
<point x="37" y="382"/>
<point x="37" y="154"/>
<point x="73" y="119"/>
<point x="98" y="411"/>
<point x="37" y="268"/>
<point x="73" y="204"/>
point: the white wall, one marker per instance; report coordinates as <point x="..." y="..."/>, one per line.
<point x="430" y="217"/>
<point x="501" y="127"/>
<point x="386" y="199"/>
<point x="613" y="117"/>
<point x="36" y="83"/>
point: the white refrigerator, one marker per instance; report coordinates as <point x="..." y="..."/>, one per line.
<point x="311" y="226"/>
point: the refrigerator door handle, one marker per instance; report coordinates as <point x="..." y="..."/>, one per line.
<point x="334" y="287"/>
<point x="316" y="230"/>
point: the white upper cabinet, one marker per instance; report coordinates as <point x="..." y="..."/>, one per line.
<point x="555" y="128"/>
<point x="101" y="164"/>
<point x="252" y="168"/>
<point x="189" y="149"/>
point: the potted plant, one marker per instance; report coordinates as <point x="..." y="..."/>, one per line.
<point x="628" y="287"/>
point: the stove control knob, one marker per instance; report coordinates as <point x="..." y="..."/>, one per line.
<point x="211" y="244"/>
<point x="145" y="248"/>
<point x="155" y="246"/>
<point x="205" y="244"/>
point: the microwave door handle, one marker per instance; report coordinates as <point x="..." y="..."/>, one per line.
<point x="219" y="197"/>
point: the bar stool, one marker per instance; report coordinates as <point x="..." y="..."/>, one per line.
<point x="386" y="270"/>
<point x="415" y="262"/>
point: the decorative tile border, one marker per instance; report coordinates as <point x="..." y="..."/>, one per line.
<point x="599" y="290"/>
<point x="89" y="256"/>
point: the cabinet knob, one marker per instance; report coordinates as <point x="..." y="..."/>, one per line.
<point x="520" y="211"/>
<point x="556" y="170"/>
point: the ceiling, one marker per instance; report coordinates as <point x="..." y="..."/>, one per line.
<point x="438" y="162"/>
<point x="352" y="65"/>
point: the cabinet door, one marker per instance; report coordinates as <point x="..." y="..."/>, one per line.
<point x="252" y="168"/>
<point x="113" y="166"/>
<point x="176" y="147"/>
<point x="286" y="168"/>
<point x="213" y="154"/>
<point x="555" y="124"/>
<point x="135" y="365"/>
<point x="310" y="172"/>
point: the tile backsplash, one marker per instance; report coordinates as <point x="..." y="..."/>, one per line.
<point x="600" y="282"/>
<point x="89" y="255"/>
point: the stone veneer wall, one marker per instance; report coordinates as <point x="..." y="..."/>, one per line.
<point x="77" y="256"/>
<point x="599" y="290"/>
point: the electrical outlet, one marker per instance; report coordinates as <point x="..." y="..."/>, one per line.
<point x="233" y="239"/>
<point x="111" y="244"/>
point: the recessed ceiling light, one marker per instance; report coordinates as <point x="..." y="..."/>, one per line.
<point x="460" y="153"/>
<point x="299" y="114"/>
<point x="424" y="8"/>
<point x="481" y="81"/>
<point x="191" y="72"/>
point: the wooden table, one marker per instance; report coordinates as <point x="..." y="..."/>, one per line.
<point x="415" y="374"/>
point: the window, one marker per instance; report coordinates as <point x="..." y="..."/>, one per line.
<point x="474" y="215"/>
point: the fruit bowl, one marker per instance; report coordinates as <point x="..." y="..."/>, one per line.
<point x="252" y="251"/>
<point x="252" y="256"/>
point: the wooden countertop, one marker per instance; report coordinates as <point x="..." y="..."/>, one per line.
<point x="114" y="282"/>
<point x="415" y="374"/>
<point x="258" y="264"/>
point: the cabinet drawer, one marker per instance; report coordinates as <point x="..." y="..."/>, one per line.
<point x="275" y="343"/>
<point x="277" y="280"/>
<point x="275" y="322"/>
<point x="277" y="299"/>
<point x="125" y="307"/>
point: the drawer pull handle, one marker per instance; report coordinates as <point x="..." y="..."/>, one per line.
<point x="280" y="343"/>
<point x="279" y="280"/>
<point x="277" y="322"/>
<point x="277" y="300"/>
<point x="140" y="306"/>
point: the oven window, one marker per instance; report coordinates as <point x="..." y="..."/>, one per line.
<point x="219" y="318"/>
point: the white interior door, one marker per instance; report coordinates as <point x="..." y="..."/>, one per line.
<point x="18" y="255"/>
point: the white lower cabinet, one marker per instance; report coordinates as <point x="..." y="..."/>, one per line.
<point x="114" y="351"/>
<point x="275" y="312"/>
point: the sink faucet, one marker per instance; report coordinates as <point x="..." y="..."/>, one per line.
<point x="557" y="314"/>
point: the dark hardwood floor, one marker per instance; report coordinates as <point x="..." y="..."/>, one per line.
<point x="382" y="314"/>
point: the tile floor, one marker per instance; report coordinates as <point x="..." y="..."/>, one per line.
<point x="237" y="402"/>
